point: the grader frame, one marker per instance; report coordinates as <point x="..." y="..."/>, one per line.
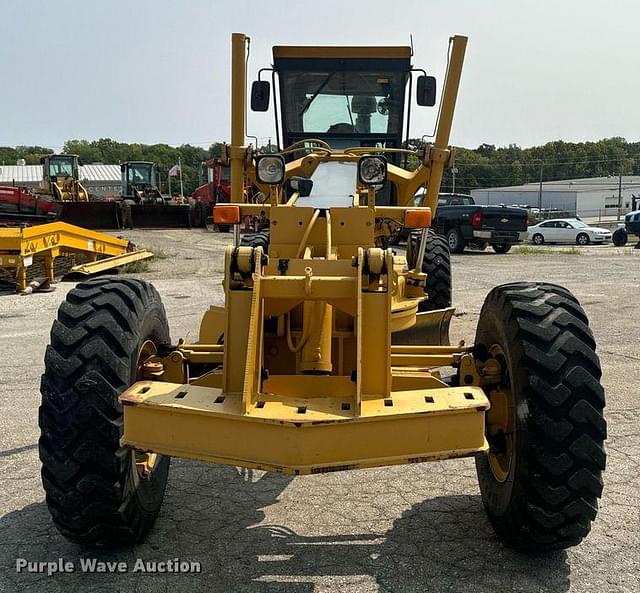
<point x="330" y="353"/>
<point x="358" y="389"/>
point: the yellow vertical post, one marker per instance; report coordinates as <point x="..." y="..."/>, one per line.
<point x="49" y="266"/>
<point x="238" y="114"/>
<point x="21" y="275"/>
<point x="438" y="159"/>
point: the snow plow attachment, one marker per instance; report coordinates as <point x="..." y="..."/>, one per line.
<point x="92" y="215"/>
<point x="165" y="216"/>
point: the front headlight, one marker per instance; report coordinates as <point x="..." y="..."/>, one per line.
<point x="270" y="169"/>
<point x="372" y="170"/>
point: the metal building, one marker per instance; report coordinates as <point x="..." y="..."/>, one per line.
<point x="101" y="180"/>
<point x="594" y="197"/>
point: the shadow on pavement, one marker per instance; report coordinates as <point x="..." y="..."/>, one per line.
<point x="212" y="515"/>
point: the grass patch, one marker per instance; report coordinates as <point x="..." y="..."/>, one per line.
<point x="136" y="267"/>
<point x="159" y="254"/>
<point x="528" y="250"/>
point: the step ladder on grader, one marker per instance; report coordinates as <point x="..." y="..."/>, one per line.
<point x="330" y="353"/>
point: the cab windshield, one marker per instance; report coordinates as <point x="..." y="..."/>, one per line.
<point x="142" y="174"/>
<point x="61" y="167"/>
<point x="339" y="103"/>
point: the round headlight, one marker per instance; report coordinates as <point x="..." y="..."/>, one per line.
<point x="372" y="170"/>
<point x="270" y="169"/>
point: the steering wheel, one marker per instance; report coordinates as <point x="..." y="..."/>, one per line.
<point x="383" y="106"/>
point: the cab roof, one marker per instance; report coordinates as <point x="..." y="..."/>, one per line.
<point x="341" y="52"/>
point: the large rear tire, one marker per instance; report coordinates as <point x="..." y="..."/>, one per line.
<point x="260" y="239"/>
<point x="97" y="491"/>
<point x="542" y="477"/>
<point x="437" y="266"/>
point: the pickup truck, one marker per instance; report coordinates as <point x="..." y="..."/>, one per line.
<point x="463" y="222"/>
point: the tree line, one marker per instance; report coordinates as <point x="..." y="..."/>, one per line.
<point x="111" y="152"/>
<point x="484" y="166"/>
<point x="491" y="166"/>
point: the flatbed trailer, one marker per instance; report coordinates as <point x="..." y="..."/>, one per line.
<point x="20" y="245"/>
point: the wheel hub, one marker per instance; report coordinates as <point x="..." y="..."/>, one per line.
<point x="144" y="462"/>
<point x="500" y="420"/>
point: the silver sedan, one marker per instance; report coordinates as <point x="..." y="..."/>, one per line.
<point x="567" y="230"/>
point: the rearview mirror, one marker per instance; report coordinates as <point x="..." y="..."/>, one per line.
<point x="426" y="92"/>
<point x="260" y="92"/>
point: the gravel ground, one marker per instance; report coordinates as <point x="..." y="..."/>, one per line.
<point x="408" y="528"/>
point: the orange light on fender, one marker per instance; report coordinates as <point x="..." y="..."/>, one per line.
<point x="417" y="219"/>
<point x="227" y="214"/>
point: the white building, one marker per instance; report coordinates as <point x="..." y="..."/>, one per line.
<point x="591" y="197"/>
<point x="101" y="180"/>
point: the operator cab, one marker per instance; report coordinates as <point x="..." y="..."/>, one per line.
<point x="345" y="101"/>
<point x="345" y="96"/>
<point x="59" y="166"/>
<point x="139" y="179"/>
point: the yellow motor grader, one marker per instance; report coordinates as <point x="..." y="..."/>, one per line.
<point x="330" y="353"/>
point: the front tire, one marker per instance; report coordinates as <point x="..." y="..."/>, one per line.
<point x="542" y="477"/>
<point x="97" y="491"/>
<point x="199" y="215"/>
<point x="620" y="237"/>
<point x="583" y="239"/>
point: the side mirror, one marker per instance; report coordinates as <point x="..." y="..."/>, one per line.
<point x="260" y="92"/>
<point x="303" y="185"/>
<point x="426" y="92"/>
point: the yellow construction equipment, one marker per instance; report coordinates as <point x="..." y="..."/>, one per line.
<point x="61" y="180"/>
<point x="330" y="353"/>
<point x="22" y="247"/>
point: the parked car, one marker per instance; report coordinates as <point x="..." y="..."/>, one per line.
<point x="567" y="230"/>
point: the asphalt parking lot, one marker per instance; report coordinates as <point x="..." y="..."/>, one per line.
<point x="416" y="528"/>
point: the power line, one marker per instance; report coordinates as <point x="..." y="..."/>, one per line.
<point x="547" y="163"/>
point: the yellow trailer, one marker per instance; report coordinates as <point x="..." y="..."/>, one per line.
<point x="20" y="246"/>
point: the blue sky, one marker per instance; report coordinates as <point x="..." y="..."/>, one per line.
<point x="143" y="71"/>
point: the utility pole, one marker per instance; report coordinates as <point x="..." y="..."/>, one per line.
<point x="180" y="171"/>
<point x="454" y="170"/>
<point x="540" y="188"/>
<point x="619" y="192"/>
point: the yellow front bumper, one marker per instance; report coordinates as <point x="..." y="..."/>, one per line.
<point x="304" y="436"/>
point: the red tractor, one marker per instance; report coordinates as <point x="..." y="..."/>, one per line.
<point x="19" y="204"/>
<point x="216" y="190"/>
